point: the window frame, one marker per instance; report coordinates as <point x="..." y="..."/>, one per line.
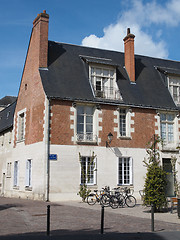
<point x="108" y="86"/>
<point x="21" y="125"/>
<point x="172" y="85"/>
<point x="16" y="174"/>
<point x="88" y="120"/>
<point x="167" y="123"/>
<point x="127" y="115"/>
<point x="121" y="178"/>
<point x="94" y="182"/>
<point x="28" y="183"/>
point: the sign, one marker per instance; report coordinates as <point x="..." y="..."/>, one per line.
<point x="53" y="157"/>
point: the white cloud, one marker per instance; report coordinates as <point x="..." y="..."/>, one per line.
<point x="140" y="18"/>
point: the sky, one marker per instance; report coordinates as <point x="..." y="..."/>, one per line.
<point x="94" y="23"/>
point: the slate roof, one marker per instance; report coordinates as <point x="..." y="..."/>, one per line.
<point x="7" y="117"/>
<point x="5" y="101"/>
<point x="67" y="76"/>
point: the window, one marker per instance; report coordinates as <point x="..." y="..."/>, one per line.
<point x="122" y="122"/>
<point x="103" y="82"/>
<point x="174" y="88"/>
<point x="28" y="173"/>
<point x="88" y="170"/>
<point x="125" y="171"/>
<point x="167" y="127"/>
<point x="16" y="172"/>
<point x="85" y="124"/>
<point x="9" y="169"/>
<point x="21" y="127"/>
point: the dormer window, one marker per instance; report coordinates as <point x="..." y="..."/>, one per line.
<point x="174" y="88"/>
<point x="103" y="79"/>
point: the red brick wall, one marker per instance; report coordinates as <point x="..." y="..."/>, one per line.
<point x="60" y="123"/>
<point x="31" y="94"/>
<point x="144" y="126"/>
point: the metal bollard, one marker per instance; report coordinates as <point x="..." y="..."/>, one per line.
<point x="152" y="218"/>
<point x="102" y="219"/>
<point x="48" y="220"/>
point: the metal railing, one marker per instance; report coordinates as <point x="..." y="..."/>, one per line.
<point x="87" y="137"/>
<point x="107" y="93"/>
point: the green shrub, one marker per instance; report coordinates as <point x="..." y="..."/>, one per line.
<point x="155" y="180"/>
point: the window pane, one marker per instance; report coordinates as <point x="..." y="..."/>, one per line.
<point x="170" y="117"/>
<point x="163" y="117"/>
<point x="98" y="71"/>
<point x="80" y="119"/>
<point x="89" y="110"/>
<point x="163" y="131"/>
<point x="89" y="119"/>
<point x="89" y="128"/>
<point x="80" y="128"/>
<point x="170" y="133"/>
<point x="106" y="73"/>
<point x="80" y="110"/>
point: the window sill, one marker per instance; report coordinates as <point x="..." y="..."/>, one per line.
<point x="86" y="143"/>
<point x="20" y="141"/>
<point x="28" y="188"/>
<point x="125" y="138"/>
<point x="16" y="188"/>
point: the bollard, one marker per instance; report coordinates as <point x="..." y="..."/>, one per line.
<point x="48" y="220"/>
<point x="102" y="219"/>
<point x="152" y="218"/>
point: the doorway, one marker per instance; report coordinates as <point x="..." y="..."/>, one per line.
<point x="167" y="166"/>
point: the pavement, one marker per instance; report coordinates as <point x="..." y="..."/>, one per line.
<point x="26" y="219"/>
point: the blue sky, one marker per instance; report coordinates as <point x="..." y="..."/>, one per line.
<point x="96" y="23"/>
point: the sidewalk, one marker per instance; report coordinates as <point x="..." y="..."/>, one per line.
<point x="26" y="219"/>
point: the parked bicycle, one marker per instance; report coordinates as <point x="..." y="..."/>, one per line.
<point x="104" y="197"/>
<point x="124" y="197"/>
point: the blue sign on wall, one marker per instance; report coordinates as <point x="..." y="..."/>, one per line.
<point x="53" y="157"/>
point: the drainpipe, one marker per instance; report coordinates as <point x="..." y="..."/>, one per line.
<point x="48" y="152"/>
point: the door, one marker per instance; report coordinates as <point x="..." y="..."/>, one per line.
<point x="167" y="166"/>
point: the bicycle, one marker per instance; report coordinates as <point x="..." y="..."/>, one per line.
<point x="105" y="198"/>
<point x="95" y="197"/>
<point x="125" y="197"/>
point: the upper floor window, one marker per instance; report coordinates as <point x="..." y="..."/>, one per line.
<point x="167" y="127"/>
<point x="122" y="122"/>
<point x="21" y="126"/>
<point x="103" y="80"/>
<point x="85" y="126"/>
<point x="174" y="88"/>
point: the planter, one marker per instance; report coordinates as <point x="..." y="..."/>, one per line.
<point x="178" y="207"/>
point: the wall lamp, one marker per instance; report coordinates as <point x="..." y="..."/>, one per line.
<point x="110" y="138"/>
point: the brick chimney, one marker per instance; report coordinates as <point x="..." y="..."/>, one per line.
<point x="40" y="27"/>
<point x="129" y="60"/>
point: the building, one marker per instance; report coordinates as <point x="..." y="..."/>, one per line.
<point x="70" y="99"/>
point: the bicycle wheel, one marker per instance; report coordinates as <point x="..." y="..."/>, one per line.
<point x="114" y="202"/>
<point x="105" y="200"/>
<point x="91" y="199"/>
<point x="130" y="201"/>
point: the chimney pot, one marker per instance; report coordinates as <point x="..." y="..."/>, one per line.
<point x="128" y="31"/>
<point x="44" y="11"/>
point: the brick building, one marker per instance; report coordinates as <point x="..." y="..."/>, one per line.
<point x="70" y="99"/>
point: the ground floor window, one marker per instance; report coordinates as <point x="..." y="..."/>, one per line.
<point x="88" y="165"/>
<point x="16" y="173"/>
<point x="28" y="173"/>
<point x="125" y="171"/>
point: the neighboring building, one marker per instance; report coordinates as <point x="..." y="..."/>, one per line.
<point x="70" y="99"/>
<point x="5" y="101"/>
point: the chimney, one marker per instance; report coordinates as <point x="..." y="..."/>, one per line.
<point x="40" y="27"/>
<point x="129" y="59"/>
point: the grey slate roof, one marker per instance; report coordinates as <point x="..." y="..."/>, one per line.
<point x="67" y="76"/>
<point x="7" y="117"/>
<point x="5" y="101"/>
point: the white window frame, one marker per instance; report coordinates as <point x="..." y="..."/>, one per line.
<point x="127" y="123"/>
<point x="86" y="136"/>
<point x="123" y="181"/>
<point x="21" y="125"/>
<point x="16" y="174"/>
<point x="167" y="122"/>
<point x="28" y="173"/>
<point x="174" y="82"/>
<point x="106" y="76"/>
<point x="93" y="181"/>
